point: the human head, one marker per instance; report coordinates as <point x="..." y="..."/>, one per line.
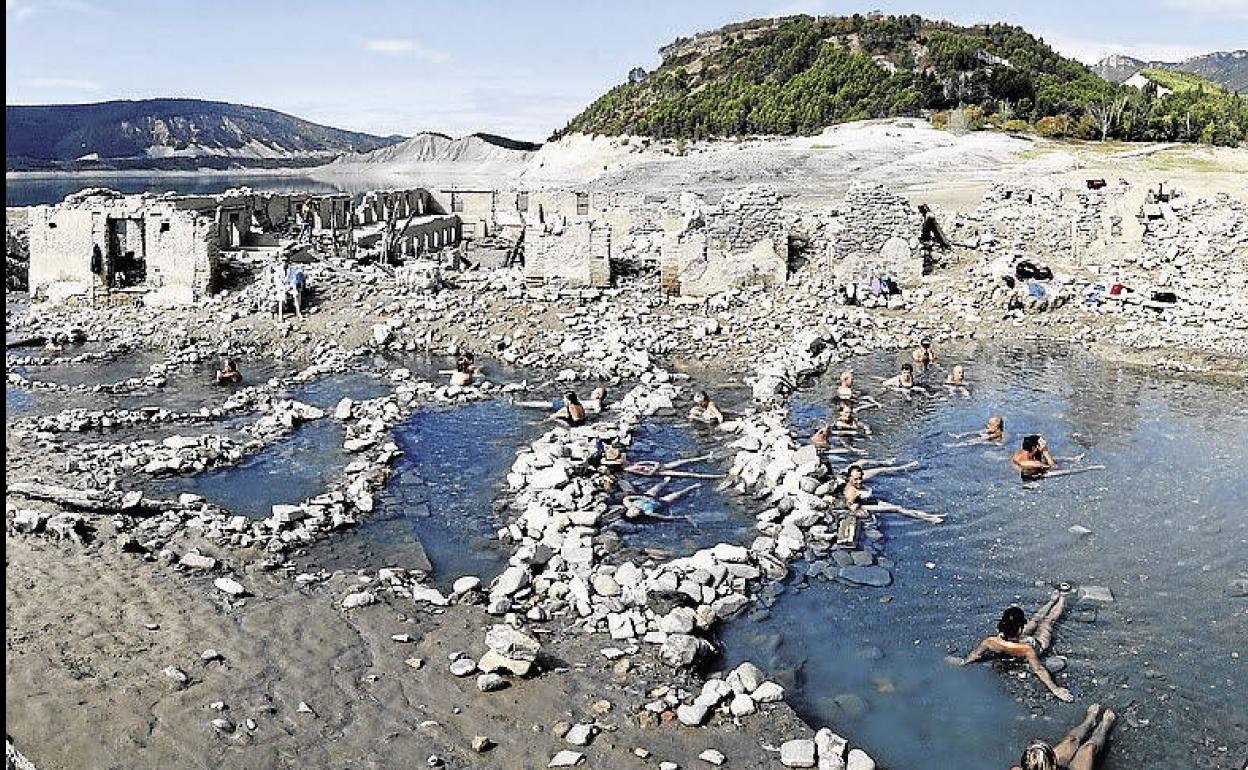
<point x="996" y="422"/>
<point x="958" y="371"/>
<point x="599" y="393"/>
<point x="1038" y="756"/>
<point x="701" y="397"/>
<point x="571" y="399"/>
<point x="925" y="343"/>
<point x="1030" y="443"/>
<point x="854" y="473"/>
<point x="847" y="378"/>
<point x="908" y="368"/>
<point x="1011" y="623"/>
<point x="846" y="410"/>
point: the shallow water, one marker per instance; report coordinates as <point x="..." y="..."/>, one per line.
<point x="707" y="516"/>
<point x="325" y="392"/>
<point x="438" y="506"/>
<point x="1169" y="533"/>
<point x="290" y="470"/>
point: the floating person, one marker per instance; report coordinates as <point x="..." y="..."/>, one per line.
<point x="1079" y="750"/>
<point x="1034" y="461"/>
<point x="705" y="410"/>
<point x="872" y="468"/>
<point x="572" y="413"/>
<point x="1019" y="637"/>
<point x="650" y="504"/>
<point x="903" y="380"/>
<point x="229" y="374"/>
<point x="672" y="468"/>
<point x="924" y="354"/>
<point x="845" y="391"/>
<point x="994" y="431"/>
<point x="859" y="499"/>
<point x="593" y="405"/>
<point x="957" y="376"/>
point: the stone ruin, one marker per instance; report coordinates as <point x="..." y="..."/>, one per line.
<point x="109" y="247"/>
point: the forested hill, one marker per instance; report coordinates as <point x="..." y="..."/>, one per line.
<point x="798" y="74"/>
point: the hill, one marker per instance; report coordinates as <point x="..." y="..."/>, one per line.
<point x="1228" y="69"/>
<point x="799" y="74"/>
<point x="170" y="133"/>
<point x="434" y="148"/>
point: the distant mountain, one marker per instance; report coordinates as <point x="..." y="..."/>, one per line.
<point x="1228" y="69"/>
<point x="170" y="133"/>
<point x="431" y="147"/>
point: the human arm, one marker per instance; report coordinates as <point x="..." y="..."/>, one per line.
<point x="1042" y="673"/>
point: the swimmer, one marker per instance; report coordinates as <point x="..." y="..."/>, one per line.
<point x="1078" y="750"/>
<point x="903" y="379"/>
<point x="464" y="372"/>
<point x="872" y="468"/>
<point x="229" y="374"/>
<point x="1019" y="637"/>
<point x="820" y="439"/>
<point x="593" y="404"/>
<point x="858" y="499"/>
<point x="571" y="413"/>
<point x="704" y="409"/>
<point x="994" y="431"/>
<point x="672" y="468"/>
<point x="957" y="376"/>
<point x="1034" y="461"/>
<point x="650" y="503"/>
<point x="924" y="353"/>
<point x="846" y="422"/>
<point x="846" y="388"/>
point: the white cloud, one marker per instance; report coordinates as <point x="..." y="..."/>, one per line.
<point x="1091" y="51"/>
<point x="62" y="84"/>
<point x="402" y="47"/>
<point x="1235" y="9"/>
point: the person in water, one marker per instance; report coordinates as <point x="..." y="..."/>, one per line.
<point x="1018" y="637"/>
<point x="903" y="379"/>
<point x="705" y="410"/>
<point x="993" y="432"/>
<point x="924" y="354"/>
<point x="572" y="413"/>
<point x="847" y="421"/>
<point x="465" y="370"/>
<point x="1033" y="458"/>
<point x="229" y="374"/>
<point x="957" y="376"/>
<point x="1082" y="747"/>
<point x="650" y="504"/>
<point x="860" y="501"/>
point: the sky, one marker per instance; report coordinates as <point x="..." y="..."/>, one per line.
<point x="521" y="69"/>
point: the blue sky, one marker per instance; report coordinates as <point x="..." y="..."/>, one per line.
<point x="516" y="68"/>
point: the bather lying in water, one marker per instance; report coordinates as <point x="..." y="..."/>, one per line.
<point x="859" y="500"/>
<point x="704" y="409"/>
<point x="1034" y="461"/>
<point x="1079" y="750"/>
<point x="994" y="431"/>
<point x="593" y="405"/>
<point x="1019" y="637"/>
<point x="650" y="504"/>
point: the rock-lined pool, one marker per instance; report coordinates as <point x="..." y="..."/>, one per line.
<point x="1169" y="538"/>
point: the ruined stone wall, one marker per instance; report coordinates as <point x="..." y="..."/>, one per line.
<point x="576" y="254"/>
<point x="875" y="231"/>
<point x="182" y="254"/>
<point x="742" y="240"/>
<point x="1021" y="219"/>
<point x="61" y="241"/>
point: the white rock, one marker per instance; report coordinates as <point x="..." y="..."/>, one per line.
<point x="799" y="753"/>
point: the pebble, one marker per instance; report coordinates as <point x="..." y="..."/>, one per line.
<point x="567" y="758"/>
<point x="713" y="757"/>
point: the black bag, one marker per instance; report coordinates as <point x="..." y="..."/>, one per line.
<point x="1026" y="270"/>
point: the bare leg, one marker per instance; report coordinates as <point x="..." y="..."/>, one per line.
<point x="657" y="488"/>
<point x="1040" y="614"/>
<point x="1065" y="750"/>
<point x="913" y="513"/>
<point x="674" y="464"/>
<point x="674" y="496"/>
<point x="1044" y="629"/>
<point x="873" y="472"/>
<point x="1085" y="758"/>
<point x="1070" y="471"/>
<point x="867" y="462"/>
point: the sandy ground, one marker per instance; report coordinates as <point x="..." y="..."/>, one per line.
<point x="924" y="163"/>
<point x="91" y="631"/>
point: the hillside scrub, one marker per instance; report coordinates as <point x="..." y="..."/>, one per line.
<point x="800" y="74"/>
